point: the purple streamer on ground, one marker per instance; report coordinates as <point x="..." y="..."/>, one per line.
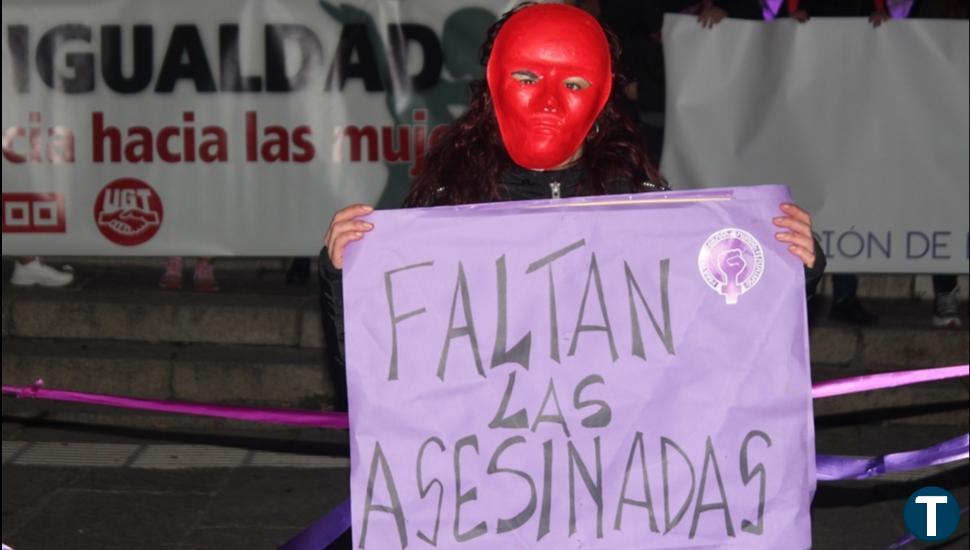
<point x="311" y="419"/>
<point x="829" y="468"/>
<point x="339" y="421"/>
<point x="912" y="538"/>
<point x="884" y="380"/>
<point x="325" y="530"/>
<point x="833" y="467"/>
<point x="322" y="532"/>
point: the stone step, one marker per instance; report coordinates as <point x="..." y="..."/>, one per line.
<point x="871" y="286"/>
<point x="246" y="375"/>
<point x="279" y="316"/>
<point x="883" y="286"/>
<point x="82" y="264"/>
<point x="257" y="307"/>
<point x="251" y="308"/>
<point x="904" y="338"/>
<point x="292" y="378"/>
<point x="258" y="341"/>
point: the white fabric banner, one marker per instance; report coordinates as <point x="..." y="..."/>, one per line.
<point x="869" y="128"/>
<point x="219" y="127"/>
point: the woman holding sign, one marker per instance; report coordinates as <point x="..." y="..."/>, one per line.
<point x="543" y="125"/>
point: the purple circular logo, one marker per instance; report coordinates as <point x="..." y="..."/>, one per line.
<point x="731" y="263"/>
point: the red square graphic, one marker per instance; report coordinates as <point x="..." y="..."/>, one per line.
<point x="33" y="213"/>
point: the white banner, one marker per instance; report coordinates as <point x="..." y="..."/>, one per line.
<point x="220" y="127"/>
<point x="869" y="128"/>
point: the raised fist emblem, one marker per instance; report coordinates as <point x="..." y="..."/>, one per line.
<point x="731" y="264"/>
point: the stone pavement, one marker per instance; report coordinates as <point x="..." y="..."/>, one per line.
<point x="85" y="487"/>
<point x="85" y="477"/>
<point x="81" y="487"/>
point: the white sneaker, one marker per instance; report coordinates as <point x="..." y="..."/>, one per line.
<point x="37" y="273"/>
<point x="946" y="309"/>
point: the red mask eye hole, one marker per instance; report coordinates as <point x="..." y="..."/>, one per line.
<point x="576" y="83"/>
<point x="526" y="78"/>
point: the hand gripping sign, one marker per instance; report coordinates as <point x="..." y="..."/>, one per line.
<point x="607" y="372"/>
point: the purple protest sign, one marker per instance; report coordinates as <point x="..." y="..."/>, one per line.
<point x="608" y="372"/>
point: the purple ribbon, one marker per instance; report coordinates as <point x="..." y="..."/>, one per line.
<point x="883" y="380"/>
<point x="313" y="419"/>
<point x="323" y="531"/>
<point x="834" y="467"/>
<point x="339" y="421"/>
<point x="828" y="467"/>
<point x="326" y="530"/>
<point x="912" y="538"/>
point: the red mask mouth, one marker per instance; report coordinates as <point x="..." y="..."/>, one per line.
<point x="550" y="76"/>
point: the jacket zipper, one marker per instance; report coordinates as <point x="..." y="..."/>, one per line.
<point x="554" y="188"/>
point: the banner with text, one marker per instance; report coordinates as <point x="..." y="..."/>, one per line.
<point x="218" y="127"/>
<point x="869" y="127"/>
<point x="612" y="372"/>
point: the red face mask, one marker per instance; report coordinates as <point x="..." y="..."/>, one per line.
<point x="549" y="76"/>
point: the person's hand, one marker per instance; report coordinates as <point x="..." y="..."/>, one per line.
<point x="711" y="16"/>
<point x="346" y="228"/>
<point x="879" y="17"/>
<point x="799" y="15"/>
<point x="799" y="234"/>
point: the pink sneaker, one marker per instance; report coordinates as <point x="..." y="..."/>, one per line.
<point x="205" y="277"/>
<point x="172" y="278"/>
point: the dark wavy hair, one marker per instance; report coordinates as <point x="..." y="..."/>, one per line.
<point x="465" y="164"/>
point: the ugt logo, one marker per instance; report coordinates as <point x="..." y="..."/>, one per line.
<point x="128" y="211"/>
<point x="931" y="513"/>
